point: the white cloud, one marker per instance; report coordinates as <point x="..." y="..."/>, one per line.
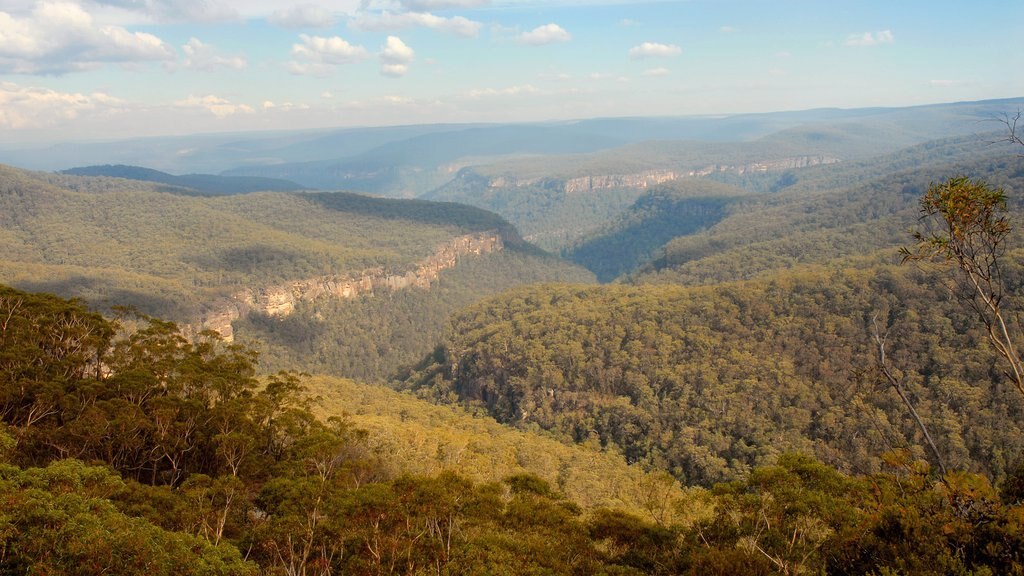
<point x="628" y="22"/>
<point x="61" y="37"/>
<point x="657" y="72"/>
<point x="396" y="51"/>
<point x="394" y="70"/>
<point x="388" y="21"/>
<point x="395" y="57"/>
<point x="284" y="106"/>
<point x="217" y="106"/>
<point x="204" y="57"/>
<point x="727" y="29"/>
<point x="302" y="16"/>
<point x="510" y="91"/>
<point x="317" y="55"/>
<point x="23" y="107"/>
<point x="654" y="50"/>
<point x="546" y="34"/>
<point x="871" y="39"/>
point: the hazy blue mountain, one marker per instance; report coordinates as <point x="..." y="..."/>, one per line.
<point x="408" y="160"/>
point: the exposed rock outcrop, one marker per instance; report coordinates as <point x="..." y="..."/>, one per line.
<point x="281" y="299"/>
<point x="641" y="180"/>
<point x="654" y="177"/>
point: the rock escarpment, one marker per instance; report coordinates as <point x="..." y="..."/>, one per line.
<point x="281" y="299"/>
<point x="654" y="177"/>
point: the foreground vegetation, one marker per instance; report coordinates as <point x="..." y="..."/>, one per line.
<point x="141" y="453"/>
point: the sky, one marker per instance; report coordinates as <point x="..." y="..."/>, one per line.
<point x="109" y="69"/>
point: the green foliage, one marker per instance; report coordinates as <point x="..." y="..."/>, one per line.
<point x="973" y="215"/>
<point x="541" y="211"/>
<point x="59" y="519"/>
<point x="800" y="517"/>
<point x="708" y="383"/>
<point x="974" y="230"/>
<point x="664" y="213"/>
<point x="372" y="337"/>
<point x="189" y="183"/>
<point x="109" y="241"/>
<point x="853" y="220"/>
<point x="201" y="460"/>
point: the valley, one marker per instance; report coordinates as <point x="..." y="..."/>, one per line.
<point x="611" y="346"/>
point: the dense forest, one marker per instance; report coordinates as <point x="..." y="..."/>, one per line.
<point x="372" y="337"/>
<point x="789" y="366"/>
<point x="136" y="451"/>
<point x="710" y="382"/>
<point x="665" y="212"/>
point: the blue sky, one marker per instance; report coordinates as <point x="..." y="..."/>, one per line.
<point x="100" y="69"/>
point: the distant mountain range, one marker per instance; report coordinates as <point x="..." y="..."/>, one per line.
<point x="412" y="160"/>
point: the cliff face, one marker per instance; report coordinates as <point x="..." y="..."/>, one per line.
<point x="281" y="299"/>
<point x="654" y="177"/>
<point x="641" y="180"/>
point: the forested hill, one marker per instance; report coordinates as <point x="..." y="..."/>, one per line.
<point x="190" y="183"/>
<point x="780" y="219"/>
<point x="710" y="382"/>
<point x="770" y="348"/>
<point x="823" y="219"/>
<point x="661" y="214"/>
<point x="112" y="241"/>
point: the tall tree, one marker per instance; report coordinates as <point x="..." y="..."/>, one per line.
<point x="967" y="228"/>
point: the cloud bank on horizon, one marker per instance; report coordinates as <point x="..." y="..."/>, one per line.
<point x="91" y="69"/>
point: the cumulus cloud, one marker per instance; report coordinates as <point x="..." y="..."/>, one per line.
<point x="395" y="57"/>
<point x="389" y="21"/>
<point x="871" y="39"/>
<point x="269" y="105"/>
<point x="219" y="107"/>
<point x="302" y="16"/>
<point x="654" y="50"/>
<point x="316" y="55"/>
<point x="546" y="34"/>
<point x="24" y="107"/>
<point x="204" y="57"/>
<point x="395" y="50"/>
<point x="61" y="37"/>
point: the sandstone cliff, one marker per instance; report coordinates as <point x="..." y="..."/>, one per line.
<point x="281" y="299"/>
<point x="654" y="177"/>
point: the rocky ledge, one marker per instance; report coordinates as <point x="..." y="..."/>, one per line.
<point x="281" y="299"/>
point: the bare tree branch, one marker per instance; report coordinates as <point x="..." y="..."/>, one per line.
<point x="897" y="384"/>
